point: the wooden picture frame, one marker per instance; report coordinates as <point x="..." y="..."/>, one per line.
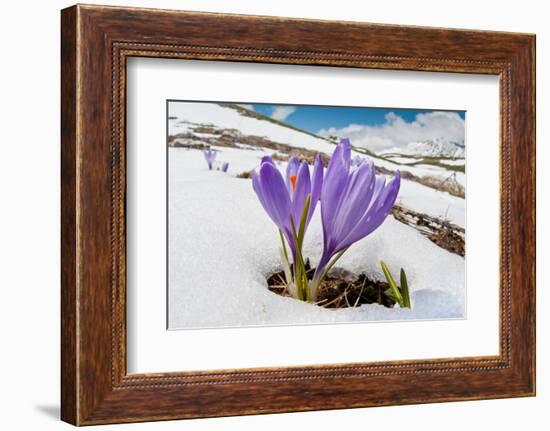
<point x="95" y="43"/>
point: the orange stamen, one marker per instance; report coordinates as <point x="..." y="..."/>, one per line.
<point x="293" y="182"/>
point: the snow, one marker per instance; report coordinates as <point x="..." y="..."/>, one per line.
<point x="204" y="135"/>
<point x="230" y="118"/>
<point x="416" y="170"/>
<point x="457" y="162"/>
<point x="222" y="245"/>
<point x="436" y="147"/>
<point x="240" y="160"/>
<point x="427" y="170"/>
<point x="435" y="171"/>
<point x="426" y="200"/>
<point x="403" y="160"/>
<point x="184" y="116"/>
<point x="412" y="195"/>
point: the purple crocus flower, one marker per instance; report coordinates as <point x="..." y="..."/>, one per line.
<point x="210" y="156"/>
<point x="353" y="204"/>
<point x="224" y="167"/>
<point x="284" y="198"/>
<point x="357" y="161"/>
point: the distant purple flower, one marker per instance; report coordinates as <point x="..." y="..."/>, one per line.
<point x="353" y="203"/>
<point x="210" y="156"/>
<point x="224" y="167"/>
<point x="284" y="198"/>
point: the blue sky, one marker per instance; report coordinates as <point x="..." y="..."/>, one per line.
<point x="316" y="118"/>
<point x="377" y="129"/>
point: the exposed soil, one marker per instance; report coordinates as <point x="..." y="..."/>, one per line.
<point x="245" y="175"/>
<point x="204" y="135"/>
<point x="449" y="240"/>
<point x="441" y="232"/>
<point x="339" y="289"/>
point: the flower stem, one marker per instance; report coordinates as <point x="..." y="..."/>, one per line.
<point x="283" y="244"/>
<point x="291" y="285"/>
<point x="300" y="273"/>
<point x="321" y="271"/>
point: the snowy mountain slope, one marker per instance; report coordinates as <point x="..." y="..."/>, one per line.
<point x="187" y="118"/>
<point x="412" y="195"/>
<point x="222" y="245"/>
<point x="437" y="147"/>
<point x="182" y="114"/>
<point x="215" y="217"/>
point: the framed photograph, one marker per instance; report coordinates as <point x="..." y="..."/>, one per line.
<point x="264" y="215"/>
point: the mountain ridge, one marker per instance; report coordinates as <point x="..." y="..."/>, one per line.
<point x="436" y="147"/>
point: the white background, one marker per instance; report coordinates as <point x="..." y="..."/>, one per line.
<point x="152" y="349"/>
<point x="29" y="220"/>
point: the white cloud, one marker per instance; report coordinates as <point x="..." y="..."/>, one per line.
<point x="396" y="133"/>
<point x="281" y="113"/>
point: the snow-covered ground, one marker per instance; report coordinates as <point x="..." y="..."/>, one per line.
<point x="228" y="118"/>
<point x="412" y="195"/>
<point x="403" y="160"/>
<point x="185" y="116"/>
<point x="457" y="162"/>
<point x="438" y="204"/>
<point x="222" y="245"/>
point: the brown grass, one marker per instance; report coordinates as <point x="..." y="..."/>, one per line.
<point x="339" y="289"/>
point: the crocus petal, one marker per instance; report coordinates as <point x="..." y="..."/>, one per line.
<point x="357" y="161"/>
<point x="316" y="185"/>
<point x="267" y="159"/>
<point x="284" y="197"/>
<point x="291" y="171"/>
<point x="257" y="186"/>
<point x="271" y="189"/>
<point x="375" y="215"/>
<point x="380" y="182"/>
<point x="303" y="189"/>
<point x="356" y="200"/>
<point x="334" y="185"/>
<point x="385" y="203"/>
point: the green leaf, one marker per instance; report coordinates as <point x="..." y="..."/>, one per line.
<point x="302" y="284"/>
<point x="393" y="286"/>
<point x="316" y="282"/>
<point x="283" y="244"/>
<point x="303" y="221"/>
<point x="286" y="264"/>
<point x="389" y="294"/>
<point x="300" y="274"/>
<point x="405" y="289"/>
